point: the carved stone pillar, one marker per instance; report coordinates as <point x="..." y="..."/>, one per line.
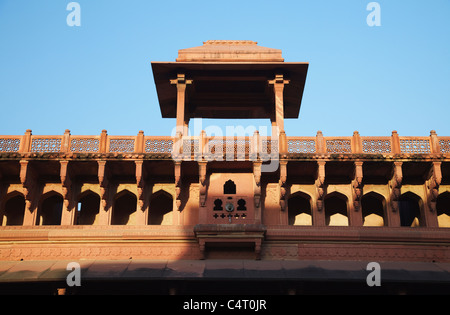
<point x="278" y="85"/>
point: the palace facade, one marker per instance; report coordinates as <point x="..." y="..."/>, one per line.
<point x="285" y="212"/>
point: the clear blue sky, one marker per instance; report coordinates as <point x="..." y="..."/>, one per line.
<point x="98" y="76"/>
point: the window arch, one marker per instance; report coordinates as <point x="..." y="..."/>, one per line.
<point x="410" y="209"/>
<point x="14" y="210"/>
<point x="336" y="210"/>
<point x="443" y="209"/>
<point x="124" y="207"/>
<point x="160" y="208"/>
<point x="50" y="209"/>
<point x="373" y="209"/>
<point x="299" y="209"/>
<point x="88" y="208"/>
<point x="229" y="188"/>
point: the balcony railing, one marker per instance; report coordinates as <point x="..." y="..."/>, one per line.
<point x="239" y="148"/>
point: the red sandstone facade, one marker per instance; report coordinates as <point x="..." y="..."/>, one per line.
<point x="74" y="197"/>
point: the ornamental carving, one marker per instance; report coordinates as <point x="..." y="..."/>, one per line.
<point x="45" y="145"/>
<point x="301" y="146"/>
<point x="9" y="145"/>
<point x="339" y="146"/>
<point x="121" y="145"/>
<point x="375" y="146"/>
<point x="84" y="145"/>
<point x="415" y="146"/>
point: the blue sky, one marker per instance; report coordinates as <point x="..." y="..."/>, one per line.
<point x="98" y="76"/>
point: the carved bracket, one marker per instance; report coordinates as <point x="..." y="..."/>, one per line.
<point x="257" y="190"/>
<point x="104" y="183"/>
<point x="283" y="186"/>
<point x="395" y="185"/>
<point x="357" y="185"/>
<point x="28" y="180"/>
<point x="202" y="171"/>
<point x="320" y="184"/>
<point x="66" y="184"/>
<point x="178" y="185"/>
<point x="140" y="184"/>
<point x="432" y="184"/>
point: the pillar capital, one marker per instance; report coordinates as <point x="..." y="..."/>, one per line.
<point x="279" y="80"/>
<point x="181" y="80"/>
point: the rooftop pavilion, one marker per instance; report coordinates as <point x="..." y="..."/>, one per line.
<point x="230" y="79"/>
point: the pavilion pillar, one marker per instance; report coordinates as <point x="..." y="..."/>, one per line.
<point x="182" y="122"/>
<point x="278" y="85"/>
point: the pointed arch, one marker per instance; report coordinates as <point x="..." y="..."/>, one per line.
<point x="336" y="209"/>
<point x="299" y="209"/>
<point x="124" y="207"/>
<point x="373" y="209"/>
<point x="160" y="208"/>
<point x="14" y="209"/>
<point x="229" y="188"/>
<point x="443" y="209"/>
<point x="410" y="208"/>
<point x="50" y="209"/>
<point x="88" y="208"/>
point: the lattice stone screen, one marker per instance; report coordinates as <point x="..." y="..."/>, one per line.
<point x="415" y="146"/>
<point x="158" y="146"/>
<point x="339" y="146"/>
<point x="376" y="146"/>
<point x="445" y="145"/>
<point x="9" y="145"/>
<point x="45" y="145"/>
<point x="84" y="145"/>
<point x="121" y="145"/>
<point x="301" y="146"/>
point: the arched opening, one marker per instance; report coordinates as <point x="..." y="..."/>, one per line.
<point x="88" y="208"/>
<point x="160" y="209"/>
<point x="229" y="188"/>
<point x="443" y="209"/>
<point x="218" y="205"/>
<point x="241" y="205"/>
<point x="124" y="207"/>
<point x="409" y="208"/>
<point x="336" y="210"/>
<point x="299" y="209"/>
<point x="50" y="210"/>
<point x="372" y="209"/>
<point x="14" y="211"/>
